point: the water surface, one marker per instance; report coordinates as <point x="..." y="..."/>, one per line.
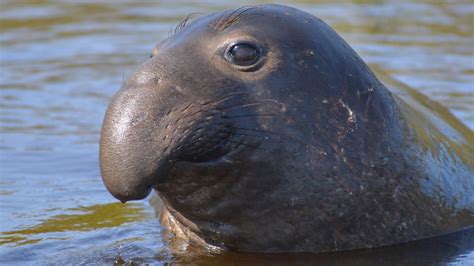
<point x="61" y="61"/>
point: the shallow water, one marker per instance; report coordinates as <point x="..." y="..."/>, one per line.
<point x="61" y="61"/>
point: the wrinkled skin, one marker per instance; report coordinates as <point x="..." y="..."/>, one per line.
<point x="304" y="151"/>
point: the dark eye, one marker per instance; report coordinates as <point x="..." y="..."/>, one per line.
<point x="242" y="54"/>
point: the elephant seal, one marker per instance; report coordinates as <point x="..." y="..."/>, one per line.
<point x="261" y="130"/>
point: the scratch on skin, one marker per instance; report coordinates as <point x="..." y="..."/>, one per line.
<point x="352" y="118"/>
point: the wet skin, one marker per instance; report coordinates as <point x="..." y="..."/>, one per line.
<point x="261" y="130"/>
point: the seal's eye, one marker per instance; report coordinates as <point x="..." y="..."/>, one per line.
<point x="242" y="54"/>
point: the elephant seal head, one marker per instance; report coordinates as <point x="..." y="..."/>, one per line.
<point x="262" y="130"/>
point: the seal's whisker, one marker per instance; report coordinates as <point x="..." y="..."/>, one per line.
<point x="294" y="139"/>
<point x="226" y="19"/>
<point x="250" y="115"/>
<point x="193" y="113"/>
<point x="229" y="96"/>
<point x="259" y="130"/>
<point x="261" y="137"/>
<point x="248" y="145"/>
<point x="240" y="106"/>
<point x="259" y="102"/>
<point x="275" y="133"/>
<point x="183" y="22"/>
<point x="237" y="14"/>
<point x="187" y="107"/>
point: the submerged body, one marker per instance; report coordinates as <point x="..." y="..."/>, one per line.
<point x="262" y="130"/>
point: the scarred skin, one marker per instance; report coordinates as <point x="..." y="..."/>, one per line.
<point x="303" y="151"/>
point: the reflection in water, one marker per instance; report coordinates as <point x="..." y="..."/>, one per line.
<point x="447" y="249"/>
<point x="61" y="61"/>
<point x="89" y="218"/>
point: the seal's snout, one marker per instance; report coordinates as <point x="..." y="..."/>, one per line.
<point x="146" y="130"/>
<point x="132" y="161"/>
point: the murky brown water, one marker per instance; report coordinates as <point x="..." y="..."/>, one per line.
<point x="61" y="61"/>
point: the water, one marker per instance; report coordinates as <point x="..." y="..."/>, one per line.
<point x="61" y="61"/>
